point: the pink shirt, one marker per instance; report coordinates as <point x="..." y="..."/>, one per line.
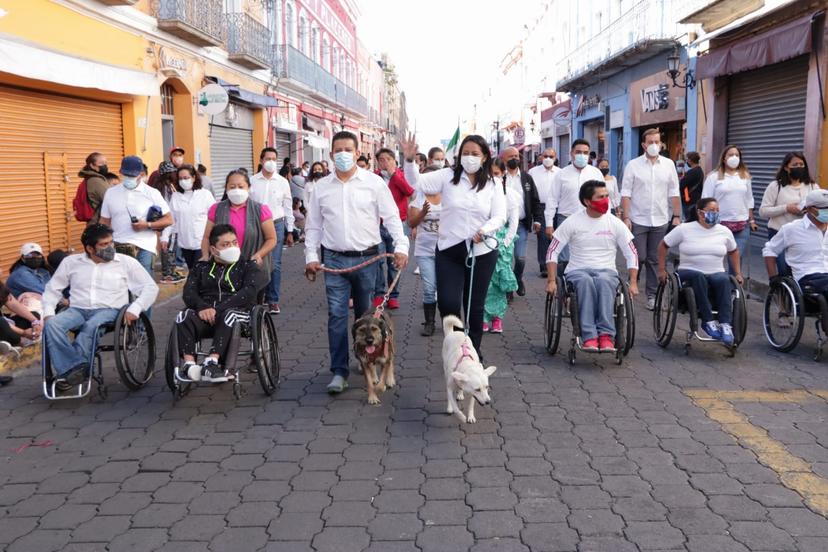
<point x="238" y="218"/>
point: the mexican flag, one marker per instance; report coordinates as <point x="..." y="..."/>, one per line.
<point x="454" y="140"/>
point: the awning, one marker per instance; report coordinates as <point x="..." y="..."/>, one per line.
<point x="784" y="42"/>
<point x="239" y="93"/>
<point x="37" y="63"/>
<point x="309" y="122"/>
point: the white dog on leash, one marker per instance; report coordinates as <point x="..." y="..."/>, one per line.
<point x="464" y="373"/>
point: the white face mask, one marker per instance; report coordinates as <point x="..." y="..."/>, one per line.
<point x="270" y="166"/>
<point x="237" y="196"/>
<point x="548" y="162"/>
<point x="470" y="163"/>
<point x="440" y="163"/>
<point x="653" y="149"/>
<point x="229" y="254"/>
<point x="186" y="184"/>
<point x="733" y="161"/>
<point x="580" y="160"/>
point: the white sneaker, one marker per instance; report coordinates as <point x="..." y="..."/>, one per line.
<point x="417" y="271"/>
<point x="727" y="334"/>
<point x="650" y="303"/>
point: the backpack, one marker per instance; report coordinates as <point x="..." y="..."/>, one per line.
<point x="83" y="209"/>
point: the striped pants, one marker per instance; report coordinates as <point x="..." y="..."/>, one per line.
<point x="191" y="329"/>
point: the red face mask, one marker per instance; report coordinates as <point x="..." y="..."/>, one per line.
<point x="602" y="205"/>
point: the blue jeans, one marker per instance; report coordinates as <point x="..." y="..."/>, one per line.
<point x="146" y="259"/>
<point x="339" y="288"/>
<point x="520" y="242"/>
<point x="595" y="290"/>
<point x="276" y="256"/>
<point x="721" y="286"/>
<point x="428" y="275"/>
<point x="742" y="242"/>
<point x="64" y="354"/>
<point x="383" y="281"/>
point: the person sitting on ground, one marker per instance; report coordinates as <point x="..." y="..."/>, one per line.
<point x="30" y="273"/>
<point x="100" y="281"/>
<point x="703" y="245"/>
<point x="594" y="235"/>
<point x="219" y="294"/>
<point x="21" y="324"/>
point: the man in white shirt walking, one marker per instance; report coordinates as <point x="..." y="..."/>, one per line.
<point x="649" y="190"/>
<point x="543" y="175"/>
<point x="268" y="188"/>
<point x="529" y="210"/>
<point x="99" y="282"/>
<point x="343" y="218"/>
<point x="594" y="235"/>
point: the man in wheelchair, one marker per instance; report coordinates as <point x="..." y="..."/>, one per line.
<point x="802" y="241"/>
<point x="219" y="294"/>
<point x="593" y="236"/>
<point x="99" y="282"/>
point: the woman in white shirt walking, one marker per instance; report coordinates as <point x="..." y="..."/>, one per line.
<point x="473" y="207"/>
<point x="784" y="197"/>
<point x="703" y="245"/>
<point x="730" y="186"/>
<point x="189" y="205"/>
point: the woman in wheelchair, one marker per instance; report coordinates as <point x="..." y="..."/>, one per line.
<point x="703" y="246"/>
<point x="219" y="294"/>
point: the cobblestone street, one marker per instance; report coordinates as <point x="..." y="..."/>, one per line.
<point x="666" y="452"/>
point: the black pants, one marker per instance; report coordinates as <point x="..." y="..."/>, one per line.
<point x="190" y="256"/>
<point x="191" y="329"/>
<point x="453" y="277"/>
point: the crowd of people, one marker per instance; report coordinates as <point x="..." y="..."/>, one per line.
<point x="470" y="222"/>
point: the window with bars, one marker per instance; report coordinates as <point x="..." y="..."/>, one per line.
<point x="167" y="93"/>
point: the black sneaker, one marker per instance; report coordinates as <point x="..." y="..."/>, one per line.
<point x="521" y="290"/>
<point x="211" y="372"/>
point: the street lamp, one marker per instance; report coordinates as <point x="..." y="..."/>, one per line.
<point x="342" y="121"/>
<point x="532" y="126"/>
<point x="496" y="129"/>
<point x="674" y="70"/>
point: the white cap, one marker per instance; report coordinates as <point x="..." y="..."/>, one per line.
<point x="817" y="198"/>
<point x="29" y="248"/>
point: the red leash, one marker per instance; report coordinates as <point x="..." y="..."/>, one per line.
<point x="379" y="310"/>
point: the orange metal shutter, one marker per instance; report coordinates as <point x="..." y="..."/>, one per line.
<point x="44" y="140"/>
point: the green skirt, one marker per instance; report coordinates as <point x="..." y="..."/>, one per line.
<point x="503" y="280"/>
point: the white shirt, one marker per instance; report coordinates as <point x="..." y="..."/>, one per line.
<point x="563" y="194"/>
<point x="701" y="248"/>
<point x="514" y="205"/>
<point x="543" y="180"/>
<point x="733" y="193"/>
<point x="426" y="243"/>
<point x="190" y="213"/>
<point x="593" y="242"/>
<point x="100" y="285"/>
<point x="650" y="187"/>
<point x="804" y="247"/>
<point x="514" y="183"/>
<point x="466" y="210"/>
<point x="275" y="193"/>
<point x="308" y="191"/>
<point x="614" y="193"/>
<point x="345" y="216"/>
<point x="119" y="204"/>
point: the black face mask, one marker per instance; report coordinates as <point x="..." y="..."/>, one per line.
<point x="512" y="164"/>
<point x="317" y="175"/>
<point x="798" y="173"/>
<point x="103" y="169"/>
<point x="604" y="171"/>
<point x="33" y="262"/>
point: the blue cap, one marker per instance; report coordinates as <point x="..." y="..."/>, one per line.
<point x="131" y="165"/>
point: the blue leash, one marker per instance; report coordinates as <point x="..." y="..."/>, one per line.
<point x="470" y="262"/>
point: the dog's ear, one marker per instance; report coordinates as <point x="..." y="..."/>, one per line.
<point x="354" y="328"/>
<point x="460" y="377"/>
<point x="383" y="326"/>
<point x="490" y="370"/>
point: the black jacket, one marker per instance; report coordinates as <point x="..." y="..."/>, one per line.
<point x="691" y="185"/>
<point x="531" y="202"/>
<point x="222" y="287"/>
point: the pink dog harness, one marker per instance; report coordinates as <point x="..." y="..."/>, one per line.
<point x="464" y="348"/>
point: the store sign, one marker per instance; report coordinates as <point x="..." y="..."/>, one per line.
<point x="212" y="99"/>
<point x="171" y="63"/>
<point x="653" y="101"/>
<point x="520" y="135"/>
<point x="655" y="97"/>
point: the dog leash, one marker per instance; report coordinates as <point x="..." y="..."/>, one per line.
<point x="470" y="262"/>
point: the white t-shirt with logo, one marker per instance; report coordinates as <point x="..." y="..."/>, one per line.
<point x="701" y="248"/>
<point x="427" y="232"/>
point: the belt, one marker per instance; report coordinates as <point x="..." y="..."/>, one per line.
<point x="371" y="251"/>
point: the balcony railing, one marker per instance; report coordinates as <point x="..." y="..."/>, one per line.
<point x="198" y="21"/>
<point x="248" y="41"/>
<point x="290" y="63"/>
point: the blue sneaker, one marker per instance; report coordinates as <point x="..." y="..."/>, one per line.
<point x="712" y="329"/>
<point x="727" y="334"/>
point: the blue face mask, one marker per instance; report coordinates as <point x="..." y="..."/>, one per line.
<point x="344" y="161"/>
<point x="130" y="182"/>
<point x="581" y="160"/>
<point x="711" y="217"/>
<point x="823" y="216"/>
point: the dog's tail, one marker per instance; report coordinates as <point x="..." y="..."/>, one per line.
<point x="451" y="323"/>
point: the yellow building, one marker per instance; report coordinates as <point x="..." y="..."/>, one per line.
<point x="120" y="77"/>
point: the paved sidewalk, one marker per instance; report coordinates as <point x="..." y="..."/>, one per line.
<point x="667" y="452"/>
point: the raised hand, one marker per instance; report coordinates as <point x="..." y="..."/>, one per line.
<point x="409" y="147"/>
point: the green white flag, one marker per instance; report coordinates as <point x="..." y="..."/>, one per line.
<point x="454" y="139"/>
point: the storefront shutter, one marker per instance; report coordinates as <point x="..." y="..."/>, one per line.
<point x="767" y="120"/>
<point x="44" y="140"/>
<point x="285" y="147"/>
<point x="230" y="148"/>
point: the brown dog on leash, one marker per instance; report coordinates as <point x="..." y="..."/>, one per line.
<point x="373" y="337"/>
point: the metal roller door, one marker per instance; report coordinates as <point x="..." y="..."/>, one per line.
<point x="767" y="120"/>
<point x="230" y="148"/>
<point x="284" y="145"/>
<point x="44" y="140"/>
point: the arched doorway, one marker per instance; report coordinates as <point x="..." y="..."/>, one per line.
<point x="176" y="117"/>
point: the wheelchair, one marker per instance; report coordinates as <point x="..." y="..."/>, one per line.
<point x="786" y="299"/>
<point x="565" y="303"/>
<point x="674" y="297"/>
<point x="262" y="351"/>
<point x="133" y="346"/>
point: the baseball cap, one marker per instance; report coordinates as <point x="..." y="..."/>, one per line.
<point x="131" y="165"/>
<point x="165" y="167"/>
<point x="29" y="248"/>
<point x="817" y="198"/>
<point x="177" y="148"/>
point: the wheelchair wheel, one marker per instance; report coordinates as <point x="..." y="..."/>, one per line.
<point x="574" y="313"/>
<point x="665" y="311"/>
<point x="783" y="315"/>
<point x="266" y="349"/>
<point x="629" y="307"/>
<point x="134" y="350"/>
<point x="172" y="361"/>
<point x="692" y="308"/>
<point x="624" y="322"/>
<point x="739" y="313"/>
<point x="553" y="313"/>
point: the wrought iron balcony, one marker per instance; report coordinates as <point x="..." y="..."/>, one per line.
<point x="198" y="21"/>
<point x="248" y="42"/>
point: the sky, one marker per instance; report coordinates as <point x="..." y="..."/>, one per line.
<point x="446" y="53"/>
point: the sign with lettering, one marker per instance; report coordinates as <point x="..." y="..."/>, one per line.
<point x="652" y="101"/>
<point x="172" y="62"/>
<point x="655" y="97"/>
